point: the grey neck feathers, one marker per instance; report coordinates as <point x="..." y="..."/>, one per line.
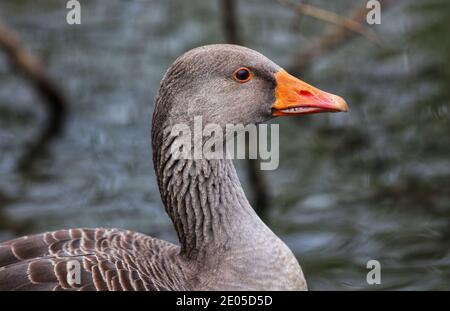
<point x="205" y="201"/>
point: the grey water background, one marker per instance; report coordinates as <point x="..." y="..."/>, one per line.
<point x="370" y="184"/>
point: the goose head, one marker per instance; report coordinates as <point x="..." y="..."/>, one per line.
<point x="232" y="84"/>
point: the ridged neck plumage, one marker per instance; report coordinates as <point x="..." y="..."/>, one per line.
<point x="204" y="200"/>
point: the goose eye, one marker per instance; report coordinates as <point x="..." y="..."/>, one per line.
<point x="242" y="75"/>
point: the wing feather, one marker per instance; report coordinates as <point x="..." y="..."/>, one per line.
<point x="108" y="259"/>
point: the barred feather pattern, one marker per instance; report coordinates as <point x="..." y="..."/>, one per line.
<point x="110" y="260"/>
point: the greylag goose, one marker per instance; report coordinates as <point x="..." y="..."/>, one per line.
<point x="224" y="245"/>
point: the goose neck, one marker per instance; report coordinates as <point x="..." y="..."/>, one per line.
<point x="205" y="202"/>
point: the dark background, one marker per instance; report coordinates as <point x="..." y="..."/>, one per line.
<point x="370" y="184"/>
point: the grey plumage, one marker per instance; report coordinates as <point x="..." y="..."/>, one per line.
<point x="110" y="259"/>
<point x="223" y="243"/>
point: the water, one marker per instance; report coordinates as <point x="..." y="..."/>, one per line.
<point x="369" y="184"/>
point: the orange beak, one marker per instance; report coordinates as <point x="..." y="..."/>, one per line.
<point x="294" y="97"/>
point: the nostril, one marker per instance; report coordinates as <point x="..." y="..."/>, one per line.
<point x="305" y="93"/>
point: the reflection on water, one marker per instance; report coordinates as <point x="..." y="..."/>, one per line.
<point x="370" y="184"/>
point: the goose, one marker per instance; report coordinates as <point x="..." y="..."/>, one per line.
<point x="224" y="245"/>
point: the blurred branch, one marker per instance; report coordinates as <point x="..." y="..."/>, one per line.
<point x="333" y="38"/>
<point x="230" y="24"/>
<point x="30" y="67"/>
<point x="333" y="18"/>
<point x="256" y="177"/>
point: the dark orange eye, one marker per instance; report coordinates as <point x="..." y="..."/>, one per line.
<point x="242" y="75"/>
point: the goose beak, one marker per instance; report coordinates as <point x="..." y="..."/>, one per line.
<point x="294" y="97"/>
